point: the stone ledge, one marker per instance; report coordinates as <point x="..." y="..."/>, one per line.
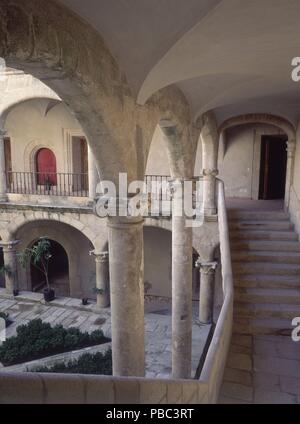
<point x="9" y="206"/>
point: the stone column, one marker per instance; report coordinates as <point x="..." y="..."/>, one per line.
<point x="209" y="191"/>
<point x="291" y="148"/>
<point x="93" y="175"/>
<point x="181" y="289"/>
<point x="210" y="145"/>
<point x="3" y="185"/>
<point x="102" y="278"/>
<point x="222" y="148"/>
<point x="10" y="265"/>
<point x="125" y="235"/>
<point x="207" y="290"/>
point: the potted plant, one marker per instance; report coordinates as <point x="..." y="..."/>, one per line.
<point x="39" y="256"/>
<point x="98" y="291"/>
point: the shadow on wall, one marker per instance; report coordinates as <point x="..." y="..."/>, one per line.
<point x="158" y="264"/>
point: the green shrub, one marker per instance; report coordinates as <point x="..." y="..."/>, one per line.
<point x="88" y="363"/>
<point x="38" y="339"/>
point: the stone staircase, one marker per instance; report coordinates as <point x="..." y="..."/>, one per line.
<point x="266" y="267"/>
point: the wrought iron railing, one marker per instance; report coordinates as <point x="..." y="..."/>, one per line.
<point x="50" y="184"/>
<point x="158" y="186"/>
<point x="77" y="185"/>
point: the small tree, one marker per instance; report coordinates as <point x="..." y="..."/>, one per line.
<point x="39" y="256"/>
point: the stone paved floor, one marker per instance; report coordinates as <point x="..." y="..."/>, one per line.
<point x="262" y="369"/>
<point x="70" y="313"/>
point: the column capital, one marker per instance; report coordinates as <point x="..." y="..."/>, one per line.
<point x="99" y="256"/>
<point x="2" y="133"/>
<point x="210" y="172"/>
<point x="206" y="267"/>
<point x="9" y="245"/>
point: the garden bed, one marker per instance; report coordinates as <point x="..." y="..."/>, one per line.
<point x="97" y="364"/>
<point x="38" y="340"/>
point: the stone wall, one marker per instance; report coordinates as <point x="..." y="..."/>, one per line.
<point x="75" y="389"/>
<point x="240" y="165"/>
<point x="30" y="128"/>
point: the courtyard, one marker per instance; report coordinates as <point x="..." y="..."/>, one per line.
<point x="71" y="313"/>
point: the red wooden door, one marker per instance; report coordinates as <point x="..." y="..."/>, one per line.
<point x="46" y="167"/>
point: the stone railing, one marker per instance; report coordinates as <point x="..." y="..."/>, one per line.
<point x="59" y="388"/>
<point x="215" y="361"/>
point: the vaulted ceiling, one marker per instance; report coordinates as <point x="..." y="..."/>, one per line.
<point x="227" y="55"/>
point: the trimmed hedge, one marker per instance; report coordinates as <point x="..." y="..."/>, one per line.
<point x="88" y="363"/>
<point x="37" y="340"/>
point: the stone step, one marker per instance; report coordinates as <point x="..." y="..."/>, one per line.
<point x="267" y="295"/>
<point x="265" y="326"/>
<point x="260" y="225"/>
<point x="257" y="215"/>
<point x="267" y="281"/>
<point x="266" y="256"/>
<point x="267" y="268"/>
<point x="266" y="245"/>
<point x="262" y="235"/>
<point x="265" y="310"/>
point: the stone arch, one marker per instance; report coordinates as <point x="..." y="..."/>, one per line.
<point x="53" y="45"/>
<point x="23" y="99"/>
<point x="261" y="118"/>
<point x="79" y="276"/>
<point x="31" y="150"/>
<point x="157" y="161"/>
<point x="9" y="232"/>
<point x="169" y="109"/>
<point x="276" y="121"/>
<point x="57" y="47"/>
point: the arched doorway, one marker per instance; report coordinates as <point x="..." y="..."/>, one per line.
<point x="58" y="271"/>
<point x="46" y="167"/>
